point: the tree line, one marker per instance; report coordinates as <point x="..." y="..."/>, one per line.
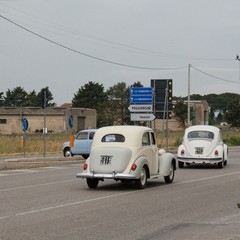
<point x="112" y="104"/>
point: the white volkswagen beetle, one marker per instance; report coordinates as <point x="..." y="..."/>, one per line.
<point x="202" y="144"/>
<point x="127" y="153"/>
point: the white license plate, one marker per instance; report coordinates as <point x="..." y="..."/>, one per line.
<point x="199" y="150"/>
<point x="105" y="160"/>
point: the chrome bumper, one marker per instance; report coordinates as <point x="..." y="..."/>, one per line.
<point x="199" y="160"/>
<point x="112" y="175"/>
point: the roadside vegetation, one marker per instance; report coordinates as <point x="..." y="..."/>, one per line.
<point x="13" y="144"/>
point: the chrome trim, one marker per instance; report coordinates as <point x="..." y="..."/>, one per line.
<point x="106" y="175"/>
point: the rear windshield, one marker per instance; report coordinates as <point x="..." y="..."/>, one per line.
<point x="113" y="138"/>
<point x="200" y="134"/>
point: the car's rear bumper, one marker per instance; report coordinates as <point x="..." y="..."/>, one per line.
<point x="112" y="175"/>
<point x="200" y="160"/>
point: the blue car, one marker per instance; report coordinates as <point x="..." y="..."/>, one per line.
<point x="82" y="144"/>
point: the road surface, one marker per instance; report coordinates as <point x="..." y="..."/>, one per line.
<point x="51" y="203"/>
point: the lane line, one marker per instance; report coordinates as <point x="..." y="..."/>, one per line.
<point x="104" y="197"/>
<point x="37" y="185"/>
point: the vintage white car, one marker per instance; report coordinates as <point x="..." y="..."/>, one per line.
<point x="202" y="144"/>
<point x="127" y="153"/>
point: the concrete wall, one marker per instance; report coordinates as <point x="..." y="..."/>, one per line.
<point x="56" y="119"/>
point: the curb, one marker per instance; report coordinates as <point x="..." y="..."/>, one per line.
<point x="36" y="162"/>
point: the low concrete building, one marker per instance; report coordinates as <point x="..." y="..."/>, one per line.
<point x="200" y="116"/>
<point x="57" y="119"/>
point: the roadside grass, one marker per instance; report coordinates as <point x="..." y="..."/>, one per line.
<point x="34" y="144"/>
<point x="13" y="144"/>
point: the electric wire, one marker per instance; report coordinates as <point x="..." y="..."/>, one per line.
<point x="85" y="54"/>
<point x="210" y="75"/>
<point x="143" y="50"/>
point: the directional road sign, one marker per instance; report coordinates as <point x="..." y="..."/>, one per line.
<point x="142" y="117"/>
<point x="141" y="95"/>
<point x="140" y="108"/>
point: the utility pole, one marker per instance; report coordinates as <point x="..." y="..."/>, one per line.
<point x="238" y="59"/>
<point x="188" y="121"/>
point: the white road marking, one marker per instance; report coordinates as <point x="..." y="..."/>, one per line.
<point x="99" y="198"/>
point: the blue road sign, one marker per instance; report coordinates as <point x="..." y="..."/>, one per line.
<point x="24" y="124"/>
<point x="70" y="121"/>
<point x="141" y="91"/>
<point x="141" y="99"/>
<point x="141" y="95"/>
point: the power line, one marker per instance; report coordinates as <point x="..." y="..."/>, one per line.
<point x="85" y="54"/>
<point x="127" y="46"/>
<point x="210" y="75"/>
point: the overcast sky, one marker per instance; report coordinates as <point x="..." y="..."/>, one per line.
<point x="64" y="44"/>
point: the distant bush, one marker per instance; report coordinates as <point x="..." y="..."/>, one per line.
<point x="233" y="141"/>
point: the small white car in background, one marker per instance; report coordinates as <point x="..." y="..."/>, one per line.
<point x="202" y="144"/>
<point x="82" y="144"/>
<point x="128" y="154"/>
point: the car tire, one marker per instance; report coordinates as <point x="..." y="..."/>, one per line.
<point x="170" y="177"/>
<point x="142" y="181"/>
<point x="85" y="156"/>
<point x="67" y="152"/>
<point x="180" y="164"/>
<point x="221" y="164"/>
<point x="92" y="182"/>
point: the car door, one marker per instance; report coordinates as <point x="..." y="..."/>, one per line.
<point x="150" y="151"/>
<point x="81" y="143"/>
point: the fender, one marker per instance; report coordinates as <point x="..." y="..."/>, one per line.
<point x="225" y="147"/>
<point x="165" y="161"/>
<point x="140" y="162"/>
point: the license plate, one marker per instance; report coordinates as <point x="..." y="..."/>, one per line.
<point x="105" y="160"/>
<point x="199" y="150"/>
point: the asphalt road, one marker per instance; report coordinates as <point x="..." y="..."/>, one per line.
<point x="50" y="203"/>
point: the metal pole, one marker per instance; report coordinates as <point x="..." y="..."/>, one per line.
<point x="237" y="58"/>
<point x="188" y="121"/>
<point x="44" y="126"/>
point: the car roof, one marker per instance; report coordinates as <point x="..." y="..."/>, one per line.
<point x="203" y="128"/>
<point x="133" y="134"/>
<point x="88" y="130"/>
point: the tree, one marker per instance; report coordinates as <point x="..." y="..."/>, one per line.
<point x="49" y="97"/>
<point x="32" y="99"/>
<point x="15" y="98"/>
<point x="92" y="95"/>
<point x="232" y="115"/>
<point x="1" y="99"/>
<point x="118" y="102"/>
<point x="181" y="113"/>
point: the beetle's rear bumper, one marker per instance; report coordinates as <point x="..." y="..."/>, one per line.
<point x="112" y="175"/>
<point x="199" y="160"/>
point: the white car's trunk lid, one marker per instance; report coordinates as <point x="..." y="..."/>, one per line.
<point x="196" y="148"/>
<point x="109" y="159"/>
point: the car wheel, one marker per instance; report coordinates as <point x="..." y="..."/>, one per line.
<point x="221" y="164"/>
<point x="67" y="152"/>
<point x="92" y="182"/>
<point x="180" y="164"/>
<point x="142" y="181"/>
<point x="170" y="177"/>
<point x="85" y="156"/>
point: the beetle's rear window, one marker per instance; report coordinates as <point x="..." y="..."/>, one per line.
<point x="113" y="138"/>
<point x="200" y="134"/>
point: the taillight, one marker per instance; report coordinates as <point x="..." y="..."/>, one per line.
<point x="85" y="166"/>
<point x="182" y="152"/>
<point x="134" y="166"/>
<point x="216" y="152"/>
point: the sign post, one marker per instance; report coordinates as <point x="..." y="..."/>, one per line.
<point x="24" y="128"/>
<point x="141" y="100"/>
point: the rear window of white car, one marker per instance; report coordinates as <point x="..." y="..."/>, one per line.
<point x="200" y="134"/>
<point x="113" y="138"/>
